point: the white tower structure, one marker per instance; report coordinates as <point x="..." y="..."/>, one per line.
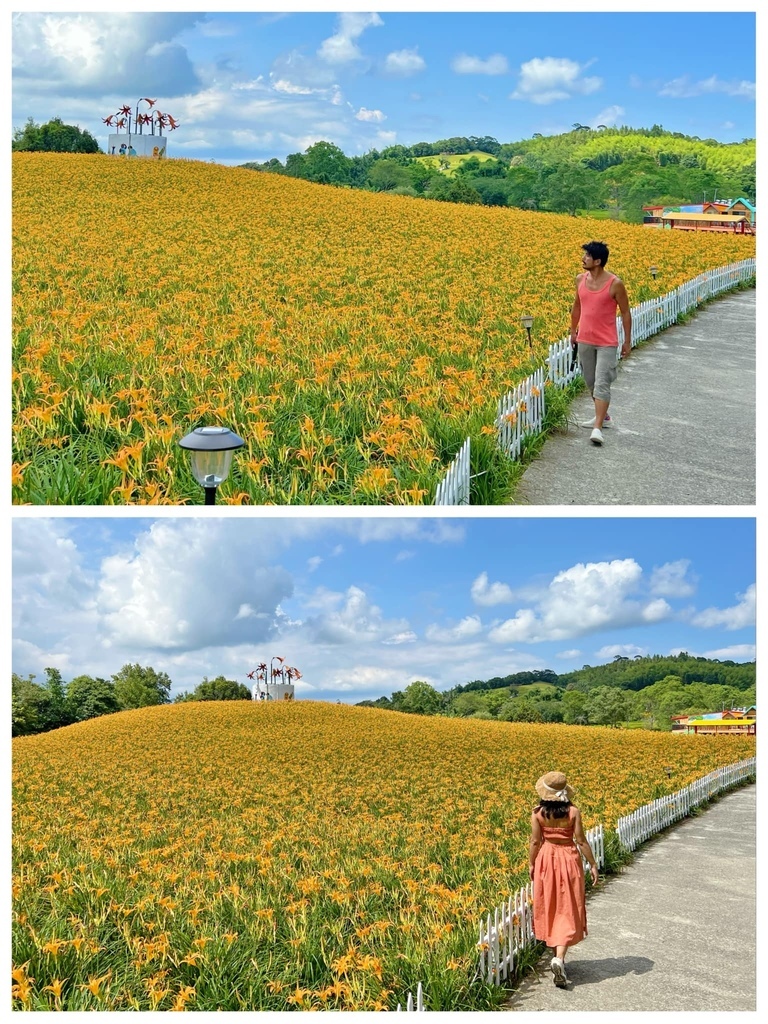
<point x="275" y="682"/>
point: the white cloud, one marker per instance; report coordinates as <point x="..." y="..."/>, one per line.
<point x="384" y="528"/>
<point x="685" y="88"/>
<point x="573" y="653"/>
<point x="98" y="54"/>
<point x="51" y="589"/>
<point x="314" y="563"/>
<point x="738" y="652"/>
<point x="673" y="579"/>
<point x="353" y="620"/>
<point x="581" y="600"/>
<point x="548" y="79"/>
<point x="468" y="627"/>
<point x="341" y="47"/>
<point x="150" y="597"/>
<point x="404" y="62"/>
<point x="496" y="64"/>
<point x="292" y="88"/>
<point x="488" y="594"/>
<point x="736" y="617"/>
<point x="387" y="138"/>
<point x="656" y="611"/>
<point x="408" y="637"/>
<point x="609" y="116"/>
<point x="364" y="114"/>
<point x="620" y="650"/>
<point x="358" y="678"/>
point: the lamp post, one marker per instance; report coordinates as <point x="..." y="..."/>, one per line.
<point x="654" y="272"/>
<point x="527" y="322"/>
<point x="211" y="451"/>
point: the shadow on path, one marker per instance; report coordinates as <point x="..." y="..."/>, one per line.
<point x="587" y="972"/>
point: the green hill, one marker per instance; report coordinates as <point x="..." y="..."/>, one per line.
<point x="613" y="170"/>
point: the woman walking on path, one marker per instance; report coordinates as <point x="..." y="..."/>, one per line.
<point x="557" y="842"/>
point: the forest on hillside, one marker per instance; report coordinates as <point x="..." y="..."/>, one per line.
<point x="643" y="691"/>
<point x="612" y="171"/>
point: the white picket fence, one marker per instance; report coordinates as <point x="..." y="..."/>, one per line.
<point x="453" y="489"/>
<point x="521" y="412"/>
<point x="417" y="1005"/>
<point x="508" y="929"/>
<point x="646" y="821"/>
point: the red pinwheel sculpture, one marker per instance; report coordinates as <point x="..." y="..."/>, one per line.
<point x="127" y="116"/>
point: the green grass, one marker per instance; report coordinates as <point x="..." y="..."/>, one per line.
<point x="453" y="160"/>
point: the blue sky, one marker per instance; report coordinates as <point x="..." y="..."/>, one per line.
<point x="251" y="86"/>
<point x="364" y="605"/>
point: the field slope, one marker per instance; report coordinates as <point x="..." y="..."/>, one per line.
<point x="243" y="856"/>
<point x="353" y="340"/>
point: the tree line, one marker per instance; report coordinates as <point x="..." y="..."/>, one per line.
<point x="603" y="695"/>
<point x="644" y="691"/>
<point x="40" y="707"/>
<point x="613" y="170"/>
<point x="53" y="137"/>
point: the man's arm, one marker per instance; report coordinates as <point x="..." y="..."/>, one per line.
<point x="575" y="311"/>
<point x="622" y="300"/>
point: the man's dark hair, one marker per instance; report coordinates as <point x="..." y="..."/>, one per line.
<point x="597" y="250"/>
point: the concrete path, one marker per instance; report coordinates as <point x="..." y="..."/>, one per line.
<point x="684" y="406"/>
<point x="676" y="930"/>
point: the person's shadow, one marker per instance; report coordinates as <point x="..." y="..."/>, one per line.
<point x="587" y="972"/>
<point x="590" y="972"/>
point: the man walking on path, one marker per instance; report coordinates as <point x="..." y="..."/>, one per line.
<point x="593" y="326"/>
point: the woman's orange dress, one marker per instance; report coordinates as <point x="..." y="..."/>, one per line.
<point x="559" y="903"/>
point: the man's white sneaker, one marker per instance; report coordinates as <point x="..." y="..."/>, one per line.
<point x="558" y="972"/>
<point x="589" y="424"/>
<point x="596" y="437"/>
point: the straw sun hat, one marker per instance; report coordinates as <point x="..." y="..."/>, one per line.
<point x="554" y="786"/>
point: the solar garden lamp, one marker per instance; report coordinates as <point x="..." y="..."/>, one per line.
<point x="527" y="322"/>
<point x="210" y="454"/>
<point x="654" y="272"/>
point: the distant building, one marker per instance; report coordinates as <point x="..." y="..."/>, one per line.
<point x="745" y="207"/>
<point x="732" y="223"/>
<point x="730" y="722"/>
<point x="722" y="215"/>
<point x="652" y="215"/>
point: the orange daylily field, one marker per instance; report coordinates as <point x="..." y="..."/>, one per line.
<point x="303" y="855"/>
<point x="353" y="340"/>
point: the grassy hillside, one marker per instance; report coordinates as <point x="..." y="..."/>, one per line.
<point x="449" y="162"/>
<point x="613" y="146"/>
<point x="247" y="856"/>
<point x="353" y="340"/>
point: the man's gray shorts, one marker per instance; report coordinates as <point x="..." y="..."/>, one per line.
<point x="599" y="368"/>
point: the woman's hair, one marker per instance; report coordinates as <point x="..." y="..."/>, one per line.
<point x="554" y="808"/>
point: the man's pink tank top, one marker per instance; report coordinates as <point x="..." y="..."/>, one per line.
<point x="597" y="325"/>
